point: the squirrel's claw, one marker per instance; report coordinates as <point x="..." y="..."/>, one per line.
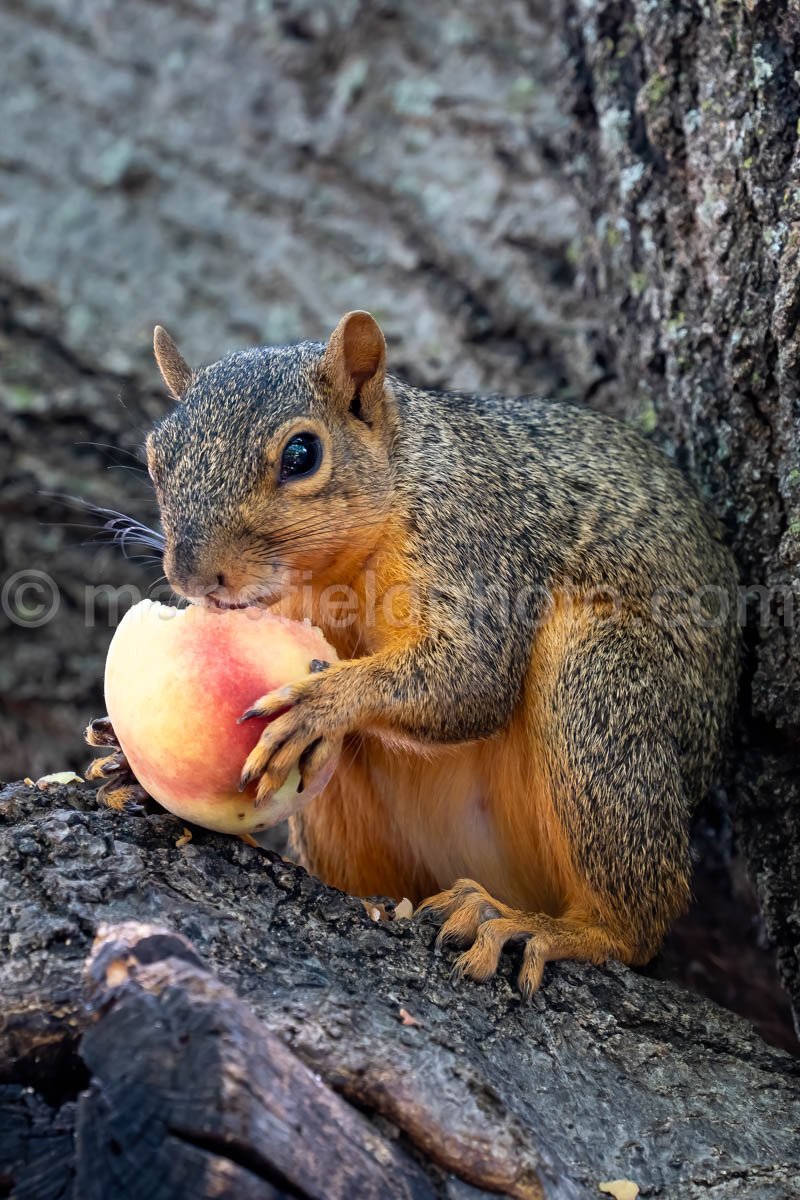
<point x="100" y="732"/>
<point x="312" y="762"/>
<point x="123" y="794"/>
<point x="269" y="783"/>
<point x="271" y="705"/>
<point x="473" y="918"/>
<point x="316" y="759"/>
<point x="121" y="790"/>
<point x="278" y="750"/>
<point x="297" y="736"/>
<point x="463" y="908"/>
<point x="102" y="768"/>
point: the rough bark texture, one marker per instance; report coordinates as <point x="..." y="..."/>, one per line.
<point x="146" y="1068"/>
<point x="687" y="146"/>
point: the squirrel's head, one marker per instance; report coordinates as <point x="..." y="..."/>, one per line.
<point x="274" y="466"/>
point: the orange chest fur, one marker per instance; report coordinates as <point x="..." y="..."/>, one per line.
<point x="404" y="823"/>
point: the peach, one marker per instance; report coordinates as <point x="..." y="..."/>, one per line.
<point x="176" y="682"/>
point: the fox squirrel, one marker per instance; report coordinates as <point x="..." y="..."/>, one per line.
<point x="539" y="666"/>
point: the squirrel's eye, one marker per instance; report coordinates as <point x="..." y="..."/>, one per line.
<point x="301" y="456"/>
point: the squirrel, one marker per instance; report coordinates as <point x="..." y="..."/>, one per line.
<point x="538" y="668"/>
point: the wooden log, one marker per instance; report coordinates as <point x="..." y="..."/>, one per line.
<point x="191" y="1095"/>
<point x="606" y="1074"/>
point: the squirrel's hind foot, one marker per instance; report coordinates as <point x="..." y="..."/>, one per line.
<point x="474" y="919"/>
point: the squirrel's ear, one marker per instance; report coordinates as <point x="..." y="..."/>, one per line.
<point x="175" y="371"/>
<point x="354" y="362"/>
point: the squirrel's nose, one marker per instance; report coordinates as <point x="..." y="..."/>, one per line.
<point x="194" y="585"/>
<point x="219" y="586"/>
<point x="202" y="587"/>
<point x="191" y="568"/>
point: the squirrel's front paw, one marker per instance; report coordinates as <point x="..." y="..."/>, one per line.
<point x="302" y="734"/>
<point x="121" y="790"/>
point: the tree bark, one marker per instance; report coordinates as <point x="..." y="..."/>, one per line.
<point x="143" y="1066"/>
<point x="686" y="147"/>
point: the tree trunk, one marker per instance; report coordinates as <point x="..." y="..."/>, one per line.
<point x="686" y="146"/>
